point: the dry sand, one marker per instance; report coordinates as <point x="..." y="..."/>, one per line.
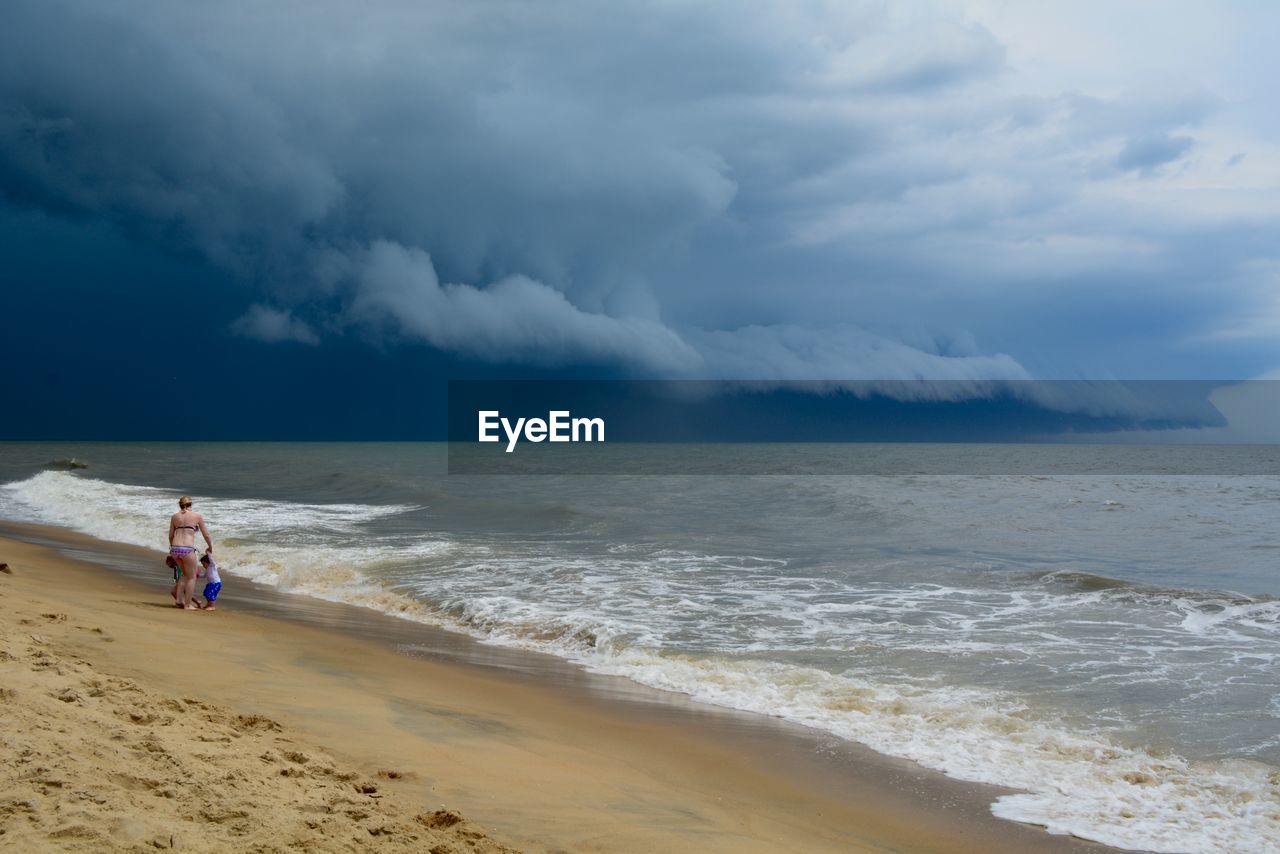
<point x="97" y="761"/>
<point x="131" y="725"/>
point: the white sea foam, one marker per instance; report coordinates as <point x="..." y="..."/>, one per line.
<point x="618" y="615"/>
<point x="1078" y="781"/>
<point x="288" y="545"/>
<point x="1081" y="783"/>
<point x="137" y="515"/>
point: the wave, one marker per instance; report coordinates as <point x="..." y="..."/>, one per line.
<point x="290" y="546"/>
<point x="1077" y="781"/>
<point x="1074" y="778"/>
<point x="1081" y="581"/>
<point x="67" y="463"/>
<point x="136" y="515"/>
<point x="1080" y="783"/>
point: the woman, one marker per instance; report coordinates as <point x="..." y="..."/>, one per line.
<point x="182" y="547"/>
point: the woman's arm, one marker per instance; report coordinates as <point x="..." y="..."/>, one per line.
<point x="208" y="540"/>
<point x="171" y="530"/>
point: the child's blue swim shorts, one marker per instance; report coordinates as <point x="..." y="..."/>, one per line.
<point x="211" y="591"/>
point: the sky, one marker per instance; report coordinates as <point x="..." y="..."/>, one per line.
<point x="297" y="219"/>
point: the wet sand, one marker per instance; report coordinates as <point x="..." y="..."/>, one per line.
<point x="539" y="754"/>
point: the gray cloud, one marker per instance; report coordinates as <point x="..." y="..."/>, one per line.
<point x="680" y="189"/>
<point x="1146" y="153"/>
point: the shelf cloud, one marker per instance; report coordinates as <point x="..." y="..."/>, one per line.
<point x="789" y="191"/>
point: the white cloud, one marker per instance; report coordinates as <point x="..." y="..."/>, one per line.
<point x="514" y="319"/>
<point x="846" y="352"/>
<point x="521" y="320"/>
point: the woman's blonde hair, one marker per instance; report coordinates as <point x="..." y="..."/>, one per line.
<point x="184" y="502"/>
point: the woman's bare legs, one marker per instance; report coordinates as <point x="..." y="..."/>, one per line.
<point x="179" y="582"/>
<point x="187" y="586"/>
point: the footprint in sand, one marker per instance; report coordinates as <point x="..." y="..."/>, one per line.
<point x="255" y="723"/>
<point x="439" y="819"/>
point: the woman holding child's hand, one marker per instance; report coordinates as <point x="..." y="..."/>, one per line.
<point x="182" y="547"/>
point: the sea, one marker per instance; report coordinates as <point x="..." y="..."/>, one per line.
<point x="1109" y="645"/>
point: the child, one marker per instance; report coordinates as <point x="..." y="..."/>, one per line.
<point x="213" y="583"/>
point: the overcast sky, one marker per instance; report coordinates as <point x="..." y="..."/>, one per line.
<point x="763" y="190"/>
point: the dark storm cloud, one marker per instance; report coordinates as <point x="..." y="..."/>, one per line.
<point x="768" y="190"/>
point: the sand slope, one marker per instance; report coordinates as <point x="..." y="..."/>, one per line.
<point x="90" y="761"/>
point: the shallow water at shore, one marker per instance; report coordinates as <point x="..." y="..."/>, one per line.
<point x="1106" y="643"/>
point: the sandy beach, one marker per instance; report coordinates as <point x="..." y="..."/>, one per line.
<point x="97" y="760"/>
<point x="131" y="725"/>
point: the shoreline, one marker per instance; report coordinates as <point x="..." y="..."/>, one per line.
<point x="543" y="753"/>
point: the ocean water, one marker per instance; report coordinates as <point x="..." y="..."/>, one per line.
<point x="1108" y="644"/>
